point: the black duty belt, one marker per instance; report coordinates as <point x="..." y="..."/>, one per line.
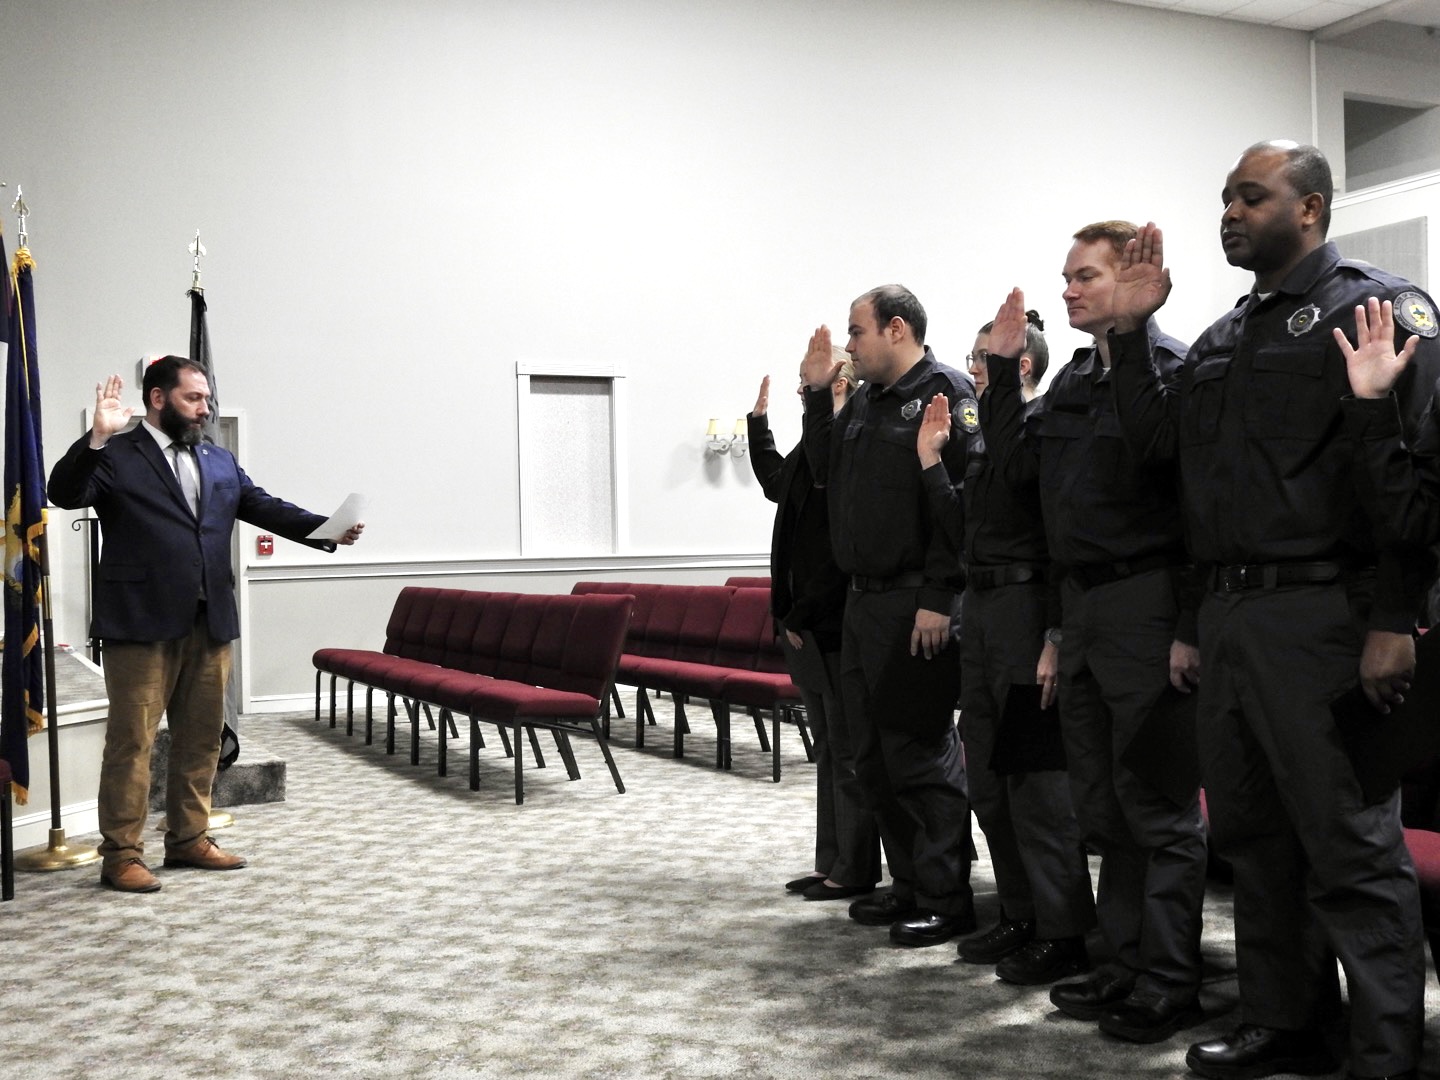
<point x="1229" y="579"/>
<point x="1089" y="575"/>
<point x="981" y="578"/>
<point x="912" y="580"/>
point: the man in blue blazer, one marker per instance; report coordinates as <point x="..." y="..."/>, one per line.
<point x="164" y="604"/>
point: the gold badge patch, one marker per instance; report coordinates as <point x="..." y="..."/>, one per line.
<point x="969" y="414"/>
<point x="1415" y="313"/>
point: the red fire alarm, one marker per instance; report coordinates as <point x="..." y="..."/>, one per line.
<point x="265" y="544"/>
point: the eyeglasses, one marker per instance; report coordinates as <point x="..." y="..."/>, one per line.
<point x="977" y="358"/>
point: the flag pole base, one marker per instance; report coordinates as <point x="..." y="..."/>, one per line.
<point x="219" y="819"/>
<point x="56" y="855"/>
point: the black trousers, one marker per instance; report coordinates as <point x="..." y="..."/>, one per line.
<point x="1316" y="869"/>
<point x="908" y="761"/>
<point x="847" y="842"/>
<point x="1033" y="837"/>
<point x="1114" y="668"/>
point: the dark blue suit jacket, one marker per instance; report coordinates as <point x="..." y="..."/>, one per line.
<point x="156" y="559"/>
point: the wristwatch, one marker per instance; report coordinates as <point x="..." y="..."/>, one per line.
<point x="1054" y="636"/>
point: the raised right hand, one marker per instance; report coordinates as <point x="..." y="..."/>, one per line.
<point x="762" y="403"/>
<point x="934" y="431"/>
<point x="1142" y="282"/>
<point x="1007" y="335"/>
<point x="819" y="368"/>
<point x="110" y="415"/>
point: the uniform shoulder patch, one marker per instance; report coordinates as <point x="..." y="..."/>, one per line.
<point x="1416" y="313"/>
<point x="968" y="410"/>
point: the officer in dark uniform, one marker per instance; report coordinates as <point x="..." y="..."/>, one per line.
<point x="1022" y="800"/>
<point x="1113" y="524"/>
<point x="1306" y="599"/>
<point x="899" y="679"/>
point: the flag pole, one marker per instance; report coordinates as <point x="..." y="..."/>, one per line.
<point x="57" y="854"/>
<point x="199" y="351"/>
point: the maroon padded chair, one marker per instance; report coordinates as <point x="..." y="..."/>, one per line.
<point x="742" y="582"/>
<point x="503" y="658"/>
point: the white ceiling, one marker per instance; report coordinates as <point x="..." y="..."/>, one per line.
<point x="1329" y="17"/>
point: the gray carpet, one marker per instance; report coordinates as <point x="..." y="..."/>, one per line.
<point x="395" y="924"/>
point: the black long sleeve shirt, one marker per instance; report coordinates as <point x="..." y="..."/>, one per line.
<point x="881" y="522"/>
<point x="1257" y="425"/>
<point x="1101" y="502"/>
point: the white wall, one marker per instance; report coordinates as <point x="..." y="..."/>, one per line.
<point x="1394" y="80"/>
<point x="401" y="201"/>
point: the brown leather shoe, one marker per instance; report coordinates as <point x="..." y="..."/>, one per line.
<point x="204" y="854"/>
<point x="132" y="875"/>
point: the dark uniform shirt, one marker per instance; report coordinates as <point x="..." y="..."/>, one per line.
<point x="1256" y="422"/>
<point x="1102" y="504"/>
<point x="999" y="524"/>
<point x="807" y="589"/>
<point x="881" y="523"/>
<point x="1400" y="482"/>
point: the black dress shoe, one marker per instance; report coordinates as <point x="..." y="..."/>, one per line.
<point x="998" y="942"/>
<point x="931" y="927"/>
<point x="800" y="884"/>
<point x="1042" y="962"/>
<point x="1092" y="998"/>
<point x="821" y="891"/>
<point x="1148" y="1018"/>
<point x="1251" y="1051"/>
<point x="881" y="910"/>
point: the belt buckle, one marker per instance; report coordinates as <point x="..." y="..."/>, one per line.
<point x="1235" y="578"/>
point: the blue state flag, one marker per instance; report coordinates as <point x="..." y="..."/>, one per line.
<point x="22" y="681"/>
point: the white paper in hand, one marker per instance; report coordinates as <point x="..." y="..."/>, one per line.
<point x="351" y="512"/>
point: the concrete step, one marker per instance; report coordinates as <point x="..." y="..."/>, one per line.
<point x="257" y="776"/>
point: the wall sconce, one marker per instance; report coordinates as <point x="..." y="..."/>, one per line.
<point x="734" y="444"/>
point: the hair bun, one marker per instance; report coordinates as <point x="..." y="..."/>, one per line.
<point x="1033" y="318"/>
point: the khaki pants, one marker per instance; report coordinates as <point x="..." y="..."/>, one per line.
<point x="184" y="679"/>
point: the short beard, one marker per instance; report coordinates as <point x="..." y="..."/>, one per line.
<point x="178" y="428"/>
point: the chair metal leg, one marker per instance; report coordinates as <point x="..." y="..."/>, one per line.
<point x="615" y="696"/>
<point x="318" y="675"/>
<point x="429" y="719"/>
<point x="775" y="722"/>
<point x="444" y="730"/>
<point x="642" y="709"/>
<point x="519" y="753"/>
<point x="474" y="754"/>
<point x="535" y="746"/>
<point x="681" y="727"/>
<point x="369" y="715"/>
<point x="389" y="723"/>
<point x="350" y="707"/>
<point x="332" y="699"/>
<point x="609" y="760"/>
<point x="413" y="709"/>
<point x="567" y="753"/>
<point x="505" y="740"/>
<point x="760" y="730"/>
<point x="799" y="718"/>
<point x="680" y="717"/>
<point x="720" y="710"/>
